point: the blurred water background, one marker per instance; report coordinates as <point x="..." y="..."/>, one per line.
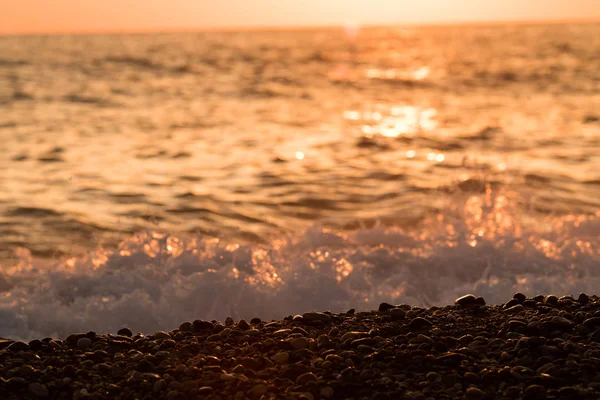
<point x="149" y="179"/>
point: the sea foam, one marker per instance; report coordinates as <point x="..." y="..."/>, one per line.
<point x="156" y="280"/>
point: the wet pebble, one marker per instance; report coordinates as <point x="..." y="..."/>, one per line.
<point x="419" y="323"/>
<point x="84" y="343"/>
<point x="316" y="316"/>
<point x="18" y="346"/>
<point x="38" y="390"/>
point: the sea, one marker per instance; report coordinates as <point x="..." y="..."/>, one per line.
<point x="152" y="179"/>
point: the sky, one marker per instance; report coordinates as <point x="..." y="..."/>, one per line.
<point x="71" y="16"/>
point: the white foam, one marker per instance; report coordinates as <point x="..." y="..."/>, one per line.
<point x="156" y="281"/>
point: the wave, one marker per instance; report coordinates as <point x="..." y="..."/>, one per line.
<point x="154" y="280"/>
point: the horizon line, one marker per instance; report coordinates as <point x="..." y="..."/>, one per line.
<point x="268" y="28"/>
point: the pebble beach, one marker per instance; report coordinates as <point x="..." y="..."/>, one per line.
<point x="544" y="347"/>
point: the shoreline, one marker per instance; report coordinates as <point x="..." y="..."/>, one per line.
<point x="543" y="347"/>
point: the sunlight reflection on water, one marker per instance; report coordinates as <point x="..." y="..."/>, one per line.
<point x="395" y="121"/>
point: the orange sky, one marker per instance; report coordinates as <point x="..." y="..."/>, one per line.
<point x="51" y="16"/>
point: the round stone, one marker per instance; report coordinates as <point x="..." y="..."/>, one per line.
<point x="466" y="301"/>
<point x="353" y="336"/>
<point x="419" y="323"/>
<point x="38" y="390"/>
<point x="125" y="332"/>
<point x="383" y="307"/>
<point x="281" y="358"/>
<point x="18" y="346"/>
<point x="316" y="316"/>
<point x="84" y="343"/>
<point x="299" y="343"/>
<point x="583" y="298"/>
<point x="161" y="335"/>
<point x="258" y="391"/>
<point x="305" y="378"/>
<point x="35" y="345"/>
<point x="243" y="325"/>
<point x="474" y="393"/>
<point x="397" y="314"/>
<point x="185" y="327"/>
<point x="520" y="297"/>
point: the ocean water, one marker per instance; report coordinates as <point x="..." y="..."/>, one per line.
<point x="146" y="180"/>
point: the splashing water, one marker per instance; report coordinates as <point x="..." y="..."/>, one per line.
<point x="156" y="281"/>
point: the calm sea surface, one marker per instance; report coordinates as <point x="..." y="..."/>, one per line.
<point x="281" y="171"/>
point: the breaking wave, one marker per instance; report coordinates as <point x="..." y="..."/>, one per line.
<point x="156" y="280"/>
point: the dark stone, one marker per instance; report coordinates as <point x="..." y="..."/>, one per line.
<point x="251" y="363"/>
<point x="583" y="298"/>
<point x="243" y="325"/>
<point x="419" y="323"/>
<point x="451" y="358"/>
<point x="469" y="300"/>
<point x="294" y="371"/>
<point x="145" y="366"/>
<point x="199" y="326"/>
<point x="316" y="316"/>
<point x="125" y="332"/>
<point x="511" y="303"/>
<point x="383" y="307"/>
<point x="530" y="303"/>
<point x="568" y="392"/>
<point x="534" y="392"/>
<point x="35" y="345"/>
<point x="397" y="314"/>
<point x="18" y="346"/>
<point x="515" y="325"/>
<point x="551" y="300"/>
<point x="520" y="297"/>
<point x="186" y="327"/>
<point x="592" y="323"/>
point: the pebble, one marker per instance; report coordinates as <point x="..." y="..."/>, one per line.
<point x="383" y="307"/>
<point x="18" y="346"/>
<point x="84" y="343"/>
<point x="353" y="336"/>
<point x="186" y="327"/>
<point x="469" y="300"/>
<point x="520" y="297"/>
<point x="583" y="298"/>
<point x="125" y="332"/>
<point x="281" y="358"/>
<point x="474" y="393"/>
<point x="258" y="390"/>
<point x="305" y="378"/>
<point x="419" y="323"/>
<point x="299" y="343"/>
<point x="243" y="325"/>
<point x="516" y="309"/>
<point x="592" y="323"/>
<point x="161" y="335"/>
<point x="316" y="316"/>
<point x="323" y="340"/>
<point x="38" y="390"/>
<point x="397" y="314"/>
